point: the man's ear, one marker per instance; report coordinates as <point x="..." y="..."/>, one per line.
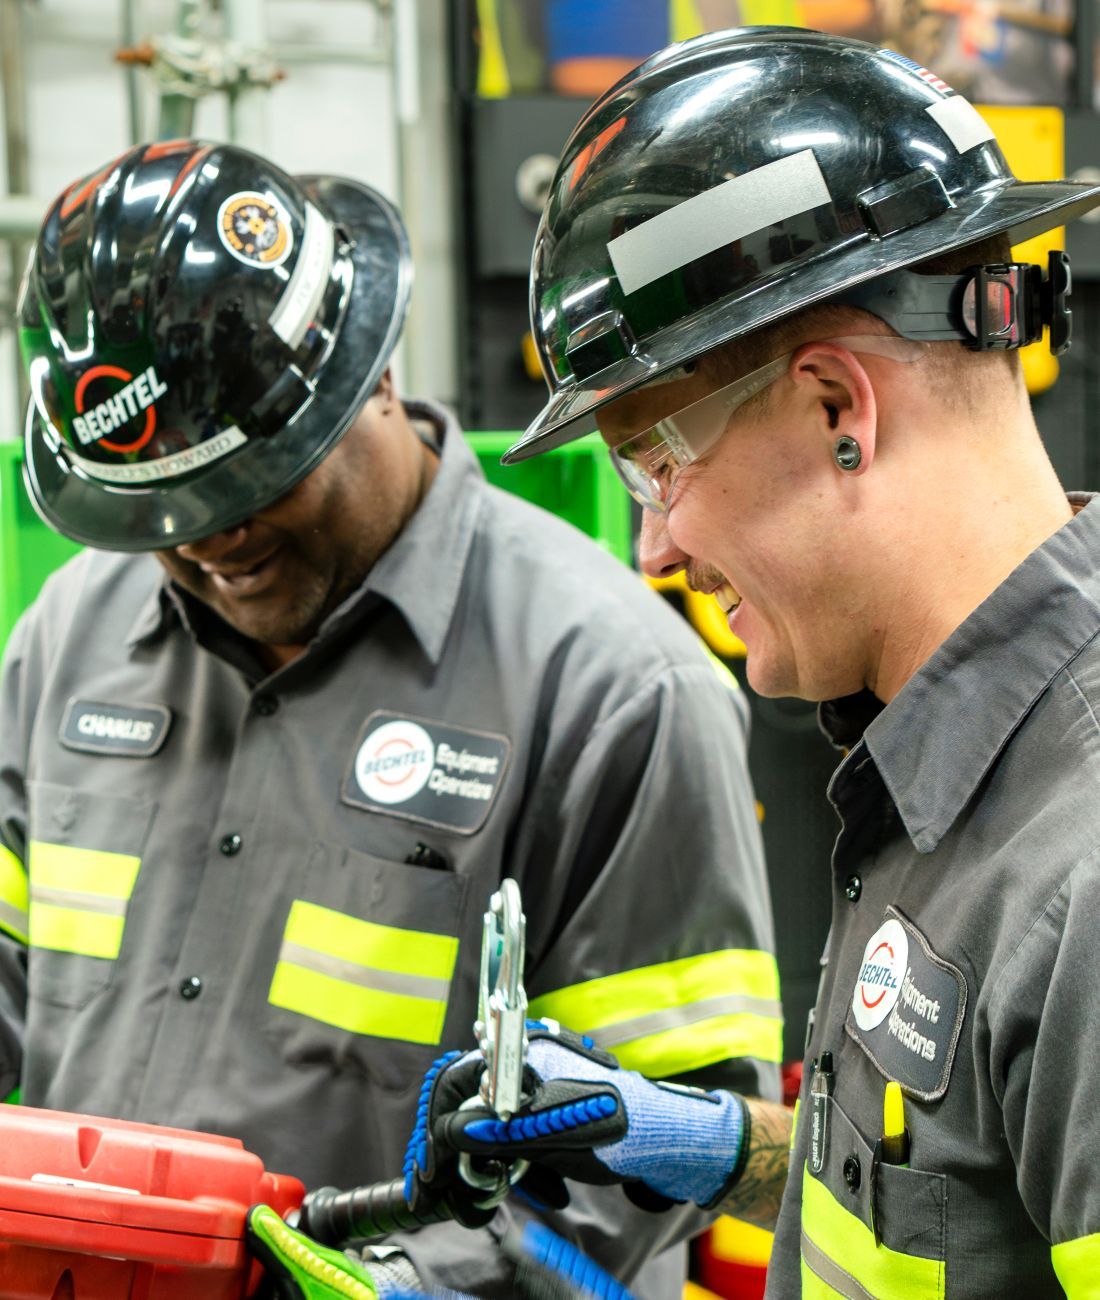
<point x="843" y="400"/>
<point x="385" y="392"/>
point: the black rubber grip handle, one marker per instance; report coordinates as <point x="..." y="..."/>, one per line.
<point x="333" y="1217"/>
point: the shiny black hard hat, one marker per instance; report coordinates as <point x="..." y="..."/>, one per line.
<point x="737" y="178"/>
<point x="199" y="329"/>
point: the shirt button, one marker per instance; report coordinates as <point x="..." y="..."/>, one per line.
<point x="230" y="844"/>
<point x="190" y="988"/>
<point x="853" y="887"/>
<point x="852" y="1173"/>
<point x="266" y="705"/>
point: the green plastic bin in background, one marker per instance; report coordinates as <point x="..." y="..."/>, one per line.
<point x="576" y="481"/>
<point x="29" y="551"/>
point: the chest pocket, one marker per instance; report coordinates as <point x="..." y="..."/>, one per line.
<point x="363" y="975"/>
<point x="841" y="1254"/>
<point x="83" y="861"/>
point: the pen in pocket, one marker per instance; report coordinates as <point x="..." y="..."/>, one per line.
<point x="821" y="1088"/>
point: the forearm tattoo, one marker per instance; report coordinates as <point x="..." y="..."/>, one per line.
<point x="759" y="1190"/>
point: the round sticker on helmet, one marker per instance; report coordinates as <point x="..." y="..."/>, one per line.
<point x="880" y="975"/>
<point x="255" y="229"/>
<point x="394" y="762"/>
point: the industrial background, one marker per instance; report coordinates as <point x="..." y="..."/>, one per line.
<point x="457" y="109"/>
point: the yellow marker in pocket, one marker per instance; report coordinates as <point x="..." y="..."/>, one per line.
<point x="895" y="1136"/>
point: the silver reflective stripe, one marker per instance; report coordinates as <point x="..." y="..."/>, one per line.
<point x="832" y="1274"/>
<point x="384" y="981"/>
<point x="961" y="122"/>
<point x="657" y="1022"/>
<point x="11" y="918"/>
<point x="81" y="902"/>
<point x="302" y="296"/>
<point x="719" y="216"/>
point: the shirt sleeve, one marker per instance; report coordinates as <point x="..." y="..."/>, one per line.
<point x="14" y="732"/>
<point x="649" y="927"/>
<point x="649" y="920"/>
<point x="1044" y="1024"/>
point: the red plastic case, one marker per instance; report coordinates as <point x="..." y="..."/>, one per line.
<point x="98" y="1209"/>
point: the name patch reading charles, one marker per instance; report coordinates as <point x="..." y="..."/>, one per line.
<point x="907" y="1008"/>
<point x="426" y="771"/>
<point x="123" y="730"/>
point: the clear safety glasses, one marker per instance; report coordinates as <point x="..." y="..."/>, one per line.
<point x="649" y="461"/>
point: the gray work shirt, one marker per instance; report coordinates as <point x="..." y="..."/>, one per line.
<point x="962" y="963"/>
<point x="225" y="930"/>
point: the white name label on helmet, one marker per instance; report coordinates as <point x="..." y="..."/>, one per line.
<point x="302" y="296"/>
<point x="961" y="122"/>
<point x="101" y="420"/>
<point x="719" y="216"/>
<point x="180" y="462"/>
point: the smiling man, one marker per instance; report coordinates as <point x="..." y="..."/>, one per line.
<point x="775" y="269"/>
<point x="259" y="777"/>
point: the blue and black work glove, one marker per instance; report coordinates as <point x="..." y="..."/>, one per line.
<point x="586" y="1119"/>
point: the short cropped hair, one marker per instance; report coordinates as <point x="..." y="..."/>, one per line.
<point x="962" y="370"/>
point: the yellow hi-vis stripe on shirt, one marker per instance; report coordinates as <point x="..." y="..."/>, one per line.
<point x="679" y="1015"/>
<point x="13" y="895"/>
<point x="79" y="897"/>
<point x="364" y="977"/>
<point x="840" y="1258"/>
<point x="1077" y="1266"/>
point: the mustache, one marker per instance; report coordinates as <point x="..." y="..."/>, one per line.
<point x="703" y="577"/>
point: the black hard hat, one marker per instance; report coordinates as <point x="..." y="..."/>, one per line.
<point x="734" y="179"/>
<point x="199" y="329"/>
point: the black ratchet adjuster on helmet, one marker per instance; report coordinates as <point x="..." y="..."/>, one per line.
<point x="998" y="306"/>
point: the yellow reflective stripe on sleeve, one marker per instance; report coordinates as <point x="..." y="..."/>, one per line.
<point x="364" y="977"/>
<point x="384" y="947"/>
<point x="839" y="1256"/>
<point x="68" y="929"/>
<point x="78" y="898"/>
<point x="83" y="871"/>
<point x="679" y="1015"/>
<point x="13" y="895"/>
<point x="1077" y="1266"/>
<point x="794" y="1120"/>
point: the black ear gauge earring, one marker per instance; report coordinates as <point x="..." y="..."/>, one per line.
<point x="846" y="453"/>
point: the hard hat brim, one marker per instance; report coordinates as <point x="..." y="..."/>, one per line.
<point x="1021" y="209"/>
<point x="131" y="518"/>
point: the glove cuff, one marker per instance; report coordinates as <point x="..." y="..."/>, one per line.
<point x="393" y="1274"/>
<point x="742" y="1156"/>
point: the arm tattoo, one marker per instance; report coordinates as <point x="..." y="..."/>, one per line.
<point x="758" y="1191"/>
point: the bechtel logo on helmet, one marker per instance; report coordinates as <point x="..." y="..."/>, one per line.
<point x="137" y="395"/>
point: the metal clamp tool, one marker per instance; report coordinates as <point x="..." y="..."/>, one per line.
<point x="375" y="1209"/>
<point x="501" y="1025"/>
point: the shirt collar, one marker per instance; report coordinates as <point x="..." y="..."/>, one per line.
<point x="155" y="615"/>
<point x="421" y="572"/>
<point x="942" y="732"/>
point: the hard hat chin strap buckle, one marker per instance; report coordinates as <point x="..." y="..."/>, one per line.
<point x="999" y="306"/>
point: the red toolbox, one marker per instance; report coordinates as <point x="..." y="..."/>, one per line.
<point x="102" y="1209"/>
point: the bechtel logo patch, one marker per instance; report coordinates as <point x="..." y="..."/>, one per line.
<point x="908" y="1007"/>
<point x="878" y="984"/>
<point x="394" y="762"/>
<point x="125" y="406"/>
<point x="426" y="771"/>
